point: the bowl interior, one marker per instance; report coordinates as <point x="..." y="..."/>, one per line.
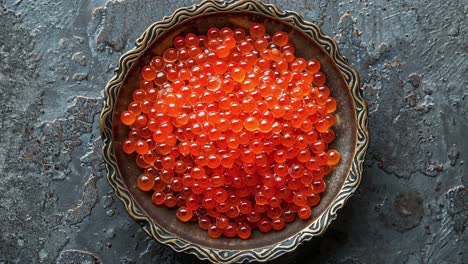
<point x="345" y="129"/>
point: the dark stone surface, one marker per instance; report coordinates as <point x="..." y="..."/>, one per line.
<point x="56" y="57"/>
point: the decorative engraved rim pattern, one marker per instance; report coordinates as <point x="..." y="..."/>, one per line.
<point x="263" y="254"/>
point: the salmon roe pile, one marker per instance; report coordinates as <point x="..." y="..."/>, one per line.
<point x="233" y="131"/>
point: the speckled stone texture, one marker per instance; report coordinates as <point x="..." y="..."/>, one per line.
<point x="56" y="206"/>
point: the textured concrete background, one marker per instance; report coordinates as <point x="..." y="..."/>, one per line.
<point x="56" y="206"/>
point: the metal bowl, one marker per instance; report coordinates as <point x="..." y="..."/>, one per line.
<point x="351" y="130"/>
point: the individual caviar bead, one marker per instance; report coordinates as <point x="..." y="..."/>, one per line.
<point x="319" y="186"/>
<point x="251" y="123"/>
<point x="232" y="212"/>
<point x="170" y="200"/>
<point x="213" y="161"/>
<point x="157" y="63"/>
<point x="168" y="162"/>
<point x="141" y="121"/>
<point x="238" y="74"/>
<point x="289" y="216"/>
<point x="184" y="214"/>
<point x="141" y="147"/>
<point x="214" y="231"/>
<point x="321" y="125"/>
<point x="303" y="155"/>
<point x="176" y="184"/>
<point x="128" y="117"/>
<point x="330" y="119"/>
<point x="192" y="202"/>
<point x="226" y="32"/>
<point x="313" y="66"/>
<point x="223" y="207"/>
<point x="280" y="156"/>
<point x="239" y="34"/>
<point x="301" y="142"/>
<point x="148" y="73"/>
<point x="245" y="206"/>
<point x="134" y="107"/>
<point x="281" y="170"/>
<point x="274" y="201"/>
<point x="257" y="30"/>
<point x="247" y="156"/>
<point x="248" y="104"/>
<point x="197" y="172"/>
<point x="256" y="146"/>
<point x="304" y="212"/>
<point x="321" y="158"/>
<point x="145" y="182"/>
<point x="260" y="44"/>
<point x="217" y="180"/>
<point x="288" y="56"/>
<point x="220" y="67"/>
<point x="149" y="157"/>
<point x="204" y="222"/>
<point x="280" y="38"/>
<point x="296" y="171"/>
<point x="224" y="124"/>
<point x="158" y="198"/>
<point x="278" y="224"/>
<point x="230" y="230"/>
<point x="146" y="106"/>
<point x="319" y="78"/>
<point x="222" y="222"/>
<point x="300" y="199"/>
<point x="264" y="225"/>
<point x="183" y="55"/>
<point x="236" y="125"/>
<point x="330" y="105"/>
<point x="191" y="40"/>
<point x="248" y="85"/>
<point x="128" y="146"/>
<point x="245" y="47"/>
<point x="261" y="199"/>
<point x="227" y="161"/>
<point x="333" y="157"/>
<point x="288" y="140"/>
<point x="160" y="78"/>
<point x="313" y="199"/>
<point x="222" y="51"/>
<point x="166" y="176"/>
<point x="180" y="166"/>
<point x="197" y="188"/>
<point x="244" y="231"/>
<point x="178" y="42"/>
<point x="220" y="195"/>
<point x="274" y="212"/>
<point x="188" y="180"/>
<point x="170" y="55"/>
<point x="324" y="90"/>
<point x="208" y="203"/>
<point x="318" y="146"/>
<point x="213" y="33"/>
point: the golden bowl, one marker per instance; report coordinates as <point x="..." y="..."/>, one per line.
<point x="351" y="130"/>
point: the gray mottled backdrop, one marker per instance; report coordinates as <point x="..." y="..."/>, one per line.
<point x="56" y="206"/>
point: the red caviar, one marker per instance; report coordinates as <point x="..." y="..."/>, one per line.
<point x="233" y="130"/>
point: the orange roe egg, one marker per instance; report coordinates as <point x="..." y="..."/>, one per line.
<point x="280" y="38"/>
<point x="145" y="182"/>
<point x="184" y="214"/>
<point x="244" y="231"/>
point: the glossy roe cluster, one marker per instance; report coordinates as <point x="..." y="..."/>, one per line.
<point x="233" y="130"/>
